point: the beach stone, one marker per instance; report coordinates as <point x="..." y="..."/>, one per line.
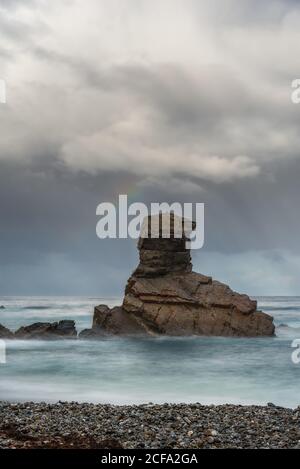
<point x="84" y="425"/>
<point x="165" y="297"/>
<point x="48" y="331"/>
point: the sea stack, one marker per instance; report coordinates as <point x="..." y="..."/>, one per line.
<point x="165" y="297"/>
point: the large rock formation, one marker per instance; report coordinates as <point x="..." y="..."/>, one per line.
<point x="164" y="296"/>
<point x="48" y="331"/>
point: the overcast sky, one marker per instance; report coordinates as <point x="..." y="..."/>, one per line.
<point x="165" y="100"/>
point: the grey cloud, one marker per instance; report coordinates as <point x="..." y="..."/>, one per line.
<point x="12" y="4"/>
<point x="85" y="123"/>
<point x="246" y="13"/>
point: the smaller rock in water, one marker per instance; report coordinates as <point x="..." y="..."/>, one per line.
<point x="66" y="328"/>
<point x="116" y="321"/>
<point x="5" y="333"/>
<point x="2" y="307"/>
<point x="48" y="331"/>
<point x="94" y="333"/>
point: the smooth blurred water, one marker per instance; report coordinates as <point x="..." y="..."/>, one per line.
<point x="123" y="370"/>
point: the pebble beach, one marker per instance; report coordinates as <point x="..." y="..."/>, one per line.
<point x="148" y="426"/>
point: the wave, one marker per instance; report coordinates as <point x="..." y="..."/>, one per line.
<point x="280" y="308"/>
<point x="23" y="391"/>
<point x="37" y="307"/>
<point x="286" y="331"/>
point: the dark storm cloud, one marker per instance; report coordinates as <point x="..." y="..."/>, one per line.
<point x="48" y="224"/>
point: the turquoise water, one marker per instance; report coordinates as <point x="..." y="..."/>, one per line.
<point x="122" y="370"/>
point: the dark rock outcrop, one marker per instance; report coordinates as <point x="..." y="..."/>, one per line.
<point x="48" y="331"/>
<point x="114" y="321"/>
<point x="94" y="333"/>
<point x="2" y="307"/>
<point x="5" y="333"/>
<point x="164" y="296"/>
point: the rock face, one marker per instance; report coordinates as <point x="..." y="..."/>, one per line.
<point x="48" y="331"/>
<point x="165" y="254"/>
<point x="164" y="297"/>
<point x="193" y="304"/>
<point x="5" y="333"/>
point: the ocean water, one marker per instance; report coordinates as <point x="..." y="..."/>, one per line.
<point x="210" y="370"/>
